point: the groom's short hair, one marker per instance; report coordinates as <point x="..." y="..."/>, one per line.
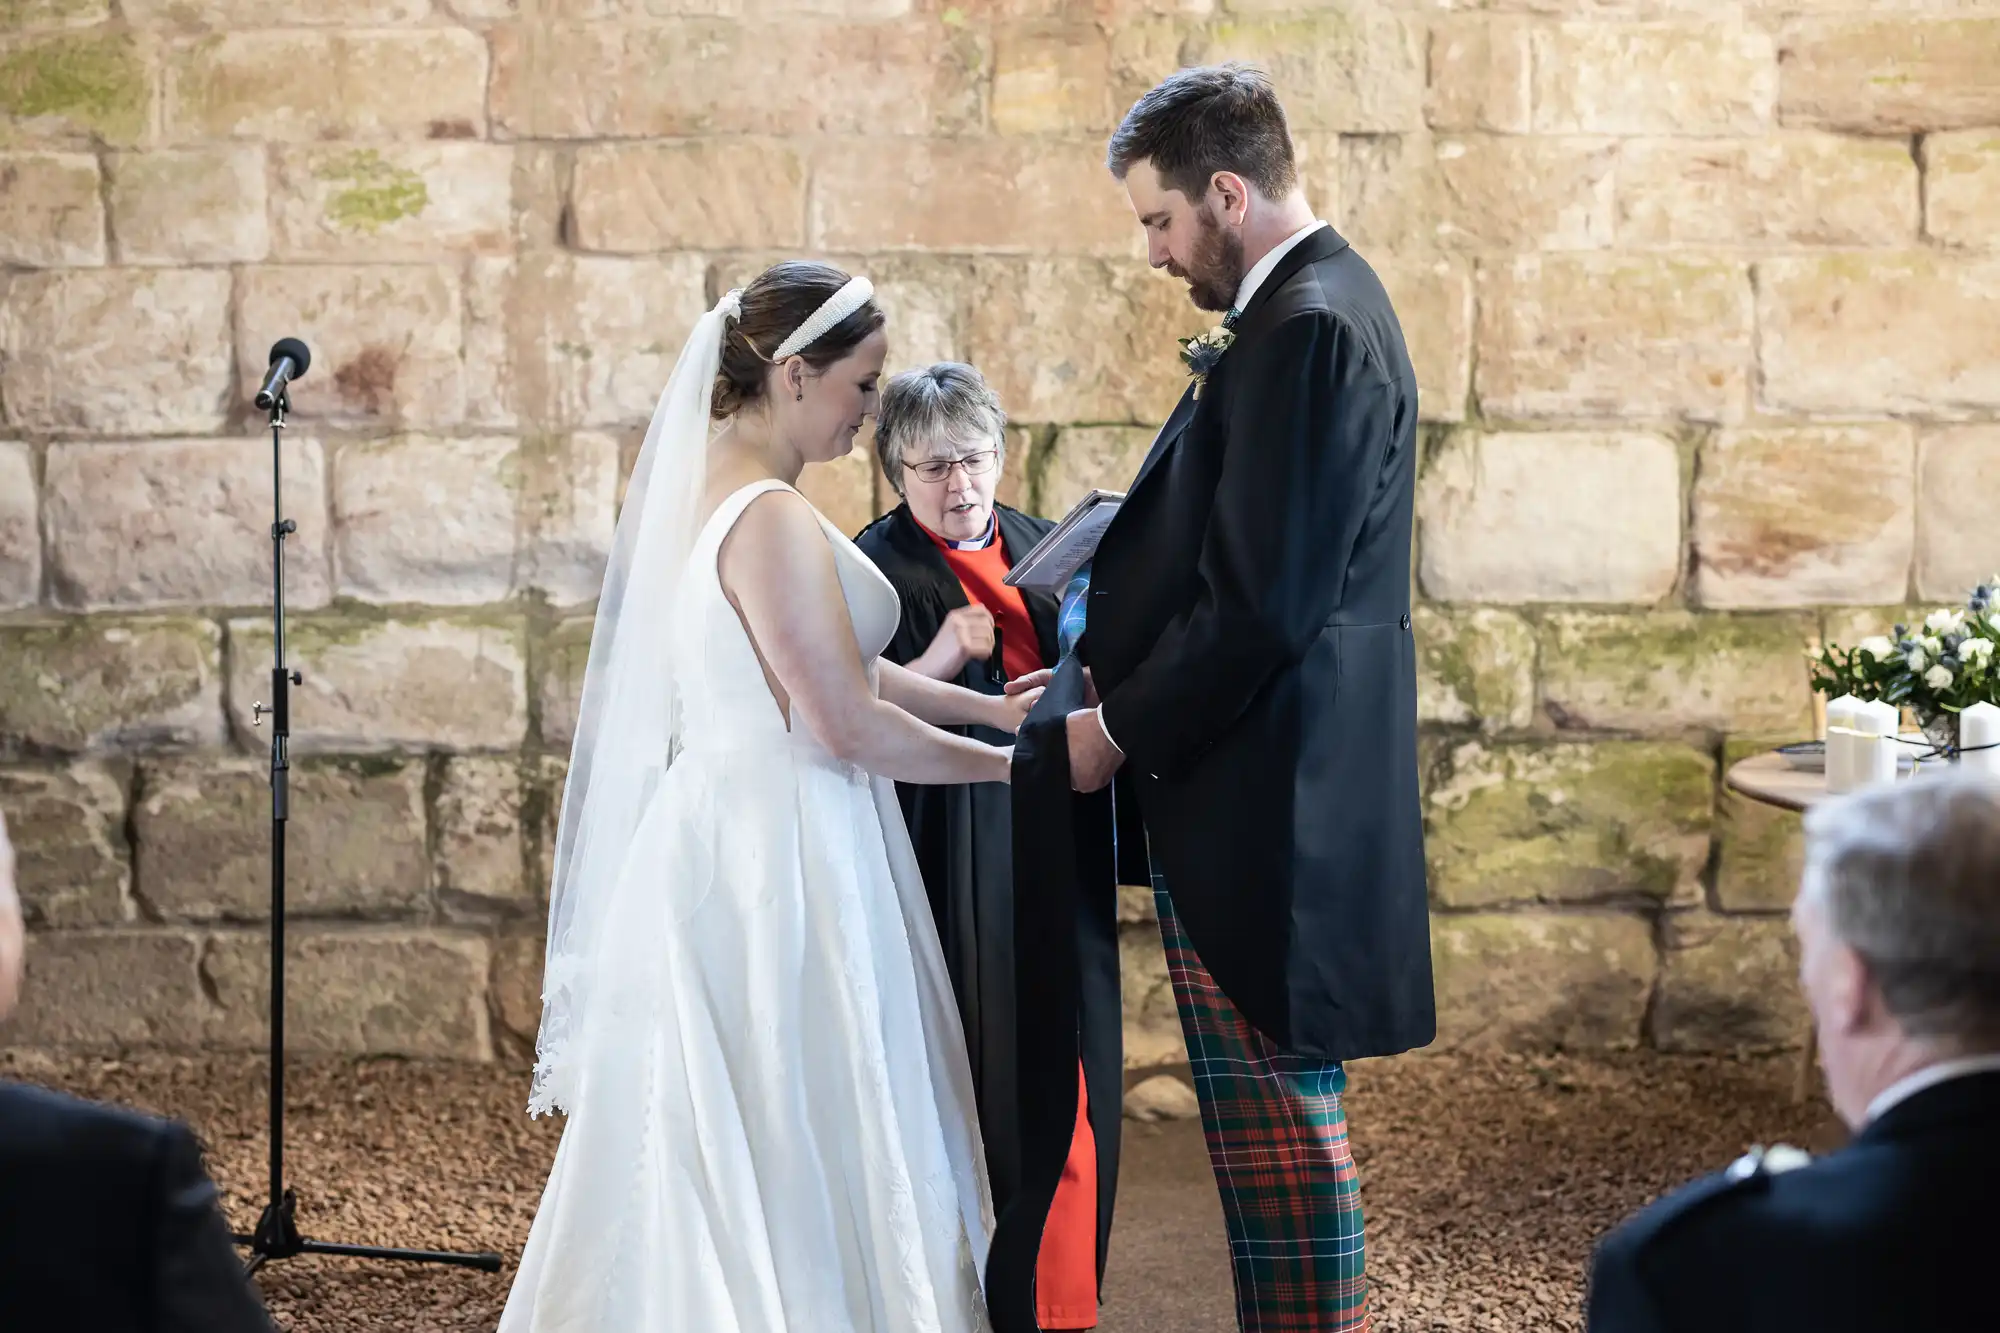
<point x="1204" y="120"/>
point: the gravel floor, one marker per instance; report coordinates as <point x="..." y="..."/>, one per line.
<point x="1485" y="1179"/>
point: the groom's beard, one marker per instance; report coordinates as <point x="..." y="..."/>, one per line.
<point x="1215" y="270"/>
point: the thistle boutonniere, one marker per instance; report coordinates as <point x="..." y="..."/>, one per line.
<point x="1201" y="352"/>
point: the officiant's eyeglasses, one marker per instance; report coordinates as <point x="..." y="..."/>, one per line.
<point x="937" y="469"/>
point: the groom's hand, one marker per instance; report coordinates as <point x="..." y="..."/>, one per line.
<point x="1093" y="759"/>
<point x="1036" y="680"/>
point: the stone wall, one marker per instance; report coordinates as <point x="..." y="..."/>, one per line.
<point x="1704" y="299"/>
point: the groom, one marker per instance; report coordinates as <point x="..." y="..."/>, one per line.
<point x="1247" y="626"/>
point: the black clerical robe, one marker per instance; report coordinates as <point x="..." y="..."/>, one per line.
<point x="1024" y="1051"/>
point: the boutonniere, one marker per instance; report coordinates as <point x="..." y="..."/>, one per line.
<point x="1200" y="353"/>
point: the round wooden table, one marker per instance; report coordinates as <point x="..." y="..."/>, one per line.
<point x="1768" y="779"/>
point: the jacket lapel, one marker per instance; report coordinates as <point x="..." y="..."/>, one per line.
<point x="1322" y="244"/>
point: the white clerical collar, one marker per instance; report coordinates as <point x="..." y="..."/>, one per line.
<point x="1929" y="1077"/>
<point x="1262" y="268"/>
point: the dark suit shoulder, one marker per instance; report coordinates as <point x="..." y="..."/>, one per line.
<point x="1041" y="527"/>
<point x="48" y="1126"/>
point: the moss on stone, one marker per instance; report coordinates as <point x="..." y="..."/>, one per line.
<point x="372" y="192"/>
<point x="1570" y="823"/>
<point x="98" y="81"/>
<point x="1474" y="667"/>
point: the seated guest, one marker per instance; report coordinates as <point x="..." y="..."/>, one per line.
<point x="941" y="440"/>
<point x="108" y="1224"/>
<point x="1898" y="923"/>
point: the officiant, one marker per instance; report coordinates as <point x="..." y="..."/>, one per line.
<point x="940" y="437"/>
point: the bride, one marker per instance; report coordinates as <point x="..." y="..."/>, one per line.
<point x="746" y="1015"/>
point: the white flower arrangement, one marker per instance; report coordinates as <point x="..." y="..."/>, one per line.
<point x="1936" y="669"/>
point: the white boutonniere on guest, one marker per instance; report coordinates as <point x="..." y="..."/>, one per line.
<point x="1201" y="352"/>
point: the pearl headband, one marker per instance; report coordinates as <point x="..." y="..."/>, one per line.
<point x="850" y="298"/>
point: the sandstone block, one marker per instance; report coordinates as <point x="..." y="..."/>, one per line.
<point x="1087" y="458"/>
<point x="1761" y="849"/>
<point x="1321" y="158"/>
<point x="1541" y="979"/>
<point x="544" y="779"/>
<point x="1848" y="626"/>
<point x="287" y="85"/>
<point x="80" y="989"/>
<point x="115" y="351"/>
<point x="38" y="15"/>
<point x="385" y="338"/>
<point x="1475" y="667"/>
<point x="1433" y="302"/>
<point x="1672" y="671"/>
<point x="1958" y="544"/>
<point x="1551" y="517"/>
<point x="1052" y="78"/>
<point x="1962" y="188"/>
<point x="516" y="989"/>
<point x="1891" y="75"/>
<point x="1689" y="77"/>
<point x="424" y="519"/>
<point x="1014" y="196"/>
<point x="413" y="993"/>
<point x="687" y="76"/>
<point x="479" y="835"/>
<point x="354" y="845"/>
<point x="50" y="210"/>
<point x="392" y="202"/>
<point x="559" y="686"/>
<point x="93" y="83"/>
<point x="72" y="864"/>
<point x="845" y="490"/>
<point x="371" y="686"/>
<point x="583" y="340"/>
<point x="99" y="686"/>
<point x="1485" y="192"/>
<point x="692" y="194"/>
<point x="571" y="487"/>
<point x="1481" y="74"/>
<point x="182" y="14"/>
<point x="1728" y="984"/>
<point x="1358" y="71"/>
<point x="20" y="528"/>
<point x="1908" y="333"/>
<point x="190" y="206"/>
<point x="1617" y="336"/>
<point x="181" y="523"/>
<point x="1152" y="1021"/>
<point x="1801" y="517"/>
<point x="1570" y="824"/>
<point x="1080" y="340"/>
<point x="1784" y="190"/>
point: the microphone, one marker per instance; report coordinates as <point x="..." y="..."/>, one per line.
<point x="289" y="361"/>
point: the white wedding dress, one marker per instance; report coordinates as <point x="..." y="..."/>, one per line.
<point x="773" y="1128"/>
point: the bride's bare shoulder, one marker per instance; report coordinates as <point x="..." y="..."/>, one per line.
<point x="777" y="528"/>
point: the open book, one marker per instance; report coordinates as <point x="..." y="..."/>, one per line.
<point x="1070" y="544"/>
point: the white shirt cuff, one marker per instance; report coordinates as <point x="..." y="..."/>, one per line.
<point x="1099" y="713"/>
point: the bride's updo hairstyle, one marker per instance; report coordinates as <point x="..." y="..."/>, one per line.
<point x="781" y="299"/>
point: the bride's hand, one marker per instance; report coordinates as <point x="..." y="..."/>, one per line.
<point x="1015" y="707"/>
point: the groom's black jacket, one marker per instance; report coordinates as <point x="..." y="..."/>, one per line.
<point x="1249" y="630"/>
<point x="1249" y="633"/>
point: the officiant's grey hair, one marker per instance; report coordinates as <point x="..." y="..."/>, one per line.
<point x="1908" y="876"/>
<point x="948" y="404"/>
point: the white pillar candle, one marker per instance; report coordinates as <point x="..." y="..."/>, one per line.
<point x="1979" y="726"/>
<point x="1841" y="748"/>
<point x="1876" y="762"/>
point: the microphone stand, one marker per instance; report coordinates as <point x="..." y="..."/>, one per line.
<point x="277" y="1234"/>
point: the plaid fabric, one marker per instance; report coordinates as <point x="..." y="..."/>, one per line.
<point x="1277" y="1137"/>
<point x="1069" y="615"/>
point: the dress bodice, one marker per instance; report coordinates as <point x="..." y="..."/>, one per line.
<point x="725" y="699"/>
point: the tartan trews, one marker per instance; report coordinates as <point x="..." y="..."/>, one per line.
<point x="1277" y="1137"/>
